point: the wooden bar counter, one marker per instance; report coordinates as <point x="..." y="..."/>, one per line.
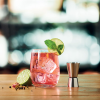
<point x="89" y="89"/>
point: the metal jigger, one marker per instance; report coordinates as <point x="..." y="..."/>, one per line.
<point x="73" y="69"/>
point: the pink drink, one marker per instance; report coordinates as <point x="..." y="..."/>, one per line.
<point x="44" y="68"/>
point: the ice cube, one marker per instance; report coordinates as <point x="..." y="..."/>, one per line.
<point x="52" y="78"/>
<point x="40" y="77"/>
<point x="47" y="64"/>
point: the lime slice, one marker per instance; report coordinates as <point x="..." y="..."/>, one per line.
<point x="57" y="42"/>
<point x="23" y="78"/>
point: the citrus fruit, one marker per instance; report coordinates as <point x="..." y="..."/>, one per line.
<point x="57" y="42"/>
<point x="23" y="77"/>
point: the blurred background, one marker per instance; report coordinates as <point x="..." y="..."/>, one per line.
<point x="25" y="24"/>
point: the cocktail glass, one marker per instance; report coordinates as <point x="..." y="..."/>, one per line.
<point x="44" y="68"/>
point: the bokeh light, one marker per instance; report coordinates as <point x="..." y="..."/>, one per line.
<point x="17" y="57"/>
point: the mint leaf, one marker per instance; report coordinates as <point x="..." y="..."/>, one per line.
<point x="60" y="47"/>
<point x="59" y="51"/>
<point x="50" y="44"/>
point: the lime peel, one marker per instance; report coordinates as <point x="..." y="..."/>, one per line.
<point x="23" y="78"/>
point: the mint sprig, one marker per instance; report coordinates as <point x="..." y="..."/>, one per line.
<point x="59" y="51"/>
<point x="52" y="45"/>
<point x="60" y="47"/>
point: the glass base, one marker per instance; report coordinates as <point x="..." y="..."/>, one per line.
<point x="44" y="85"/>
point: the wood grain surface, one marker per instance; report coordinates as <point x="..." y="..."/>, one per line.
<point x="89" y="89"/>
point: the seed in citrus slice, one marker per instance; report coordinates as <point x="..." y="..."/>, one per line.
<point x="23" y="77"/>
<point x="57" y="42"/>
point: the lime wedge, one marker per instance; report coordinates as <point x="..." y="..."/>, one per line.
<point x="23" y="77"/>
<point x="57" y="42"/>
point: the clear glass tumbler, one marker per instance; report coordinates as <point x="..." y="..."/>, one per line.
<point x="44" y="68"/>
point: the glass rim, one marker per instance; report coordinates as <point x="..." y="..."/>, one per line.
<point x="39" y="50"/>
<point x="44" y="50"/>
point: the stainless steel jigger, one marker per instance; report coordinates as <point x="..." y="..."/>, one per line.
<point x="73" y="69"/>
